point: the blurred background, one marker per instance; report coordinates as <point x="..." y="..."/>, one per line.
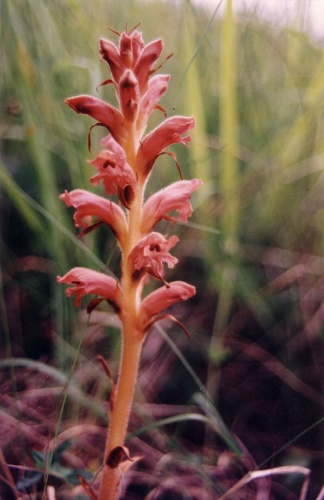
<point x="245" y="392"/>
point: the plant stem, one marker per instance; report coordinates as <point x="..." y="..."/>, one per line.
<point x="119" y="416"/>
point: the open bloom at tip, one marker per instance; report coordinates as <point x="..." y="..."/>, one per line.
<point x="164" y="297"/>
<point x="85" y="281"/>
<point x="173" y="197"/>
<point x="90" y="205"/>
<point x="170" y="131"/>
<point x="150" y="253"/>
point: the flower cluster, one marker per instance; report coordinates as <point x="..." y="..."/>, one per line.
<point x="123" y="167"/>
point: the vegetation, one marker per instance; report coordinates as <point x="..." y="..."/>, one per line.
<point x="244" y="394"/>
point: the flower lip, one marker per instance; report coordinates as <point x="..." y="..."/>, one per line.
<point x="113" y="169"/>
<point x="149" y="255"/>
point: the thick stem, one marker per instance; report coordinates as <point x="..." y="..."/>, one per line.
<point x="119" y="416"/>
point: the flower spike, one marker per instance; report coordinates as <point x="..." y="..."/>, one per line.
<point x="123" y="166"/>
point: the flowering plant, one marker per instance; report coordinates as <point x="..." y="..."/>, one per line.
<point x="123" y="166"/>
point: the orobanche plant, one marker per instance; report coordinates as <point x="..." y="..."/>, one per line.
<point x="123" y="166"/>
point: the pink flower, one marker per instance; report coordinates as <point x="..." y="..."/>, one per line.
<point x="164" y="297"/>
<point x="85" y="281"/>
<point x="170" y="131"/>
<point x="113" y="170"/>
<point x="91" y="205"/>
<point x="150" y="253"/>
<point x="173" y="197"/>
<point x="104" y="113"/>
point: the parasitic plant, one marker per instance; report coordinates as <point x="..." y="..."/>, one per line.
<point x="123" y="166"/>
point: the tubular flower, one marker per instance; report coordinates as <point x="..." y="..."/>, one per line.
<point x="90" y="205"/>
<point x="173" y="197"/>
<point x="113" y="169"/>
<point x="149" y="255"/>
<point x="106" y="114"/>
<point x="85" y="281"/>
<point x="170" y="131"/>
<point x="164" y="297"/>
